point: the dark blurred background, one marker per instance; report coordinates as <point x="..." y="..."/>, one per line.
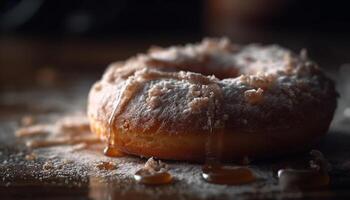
<point x="42" y="40"/>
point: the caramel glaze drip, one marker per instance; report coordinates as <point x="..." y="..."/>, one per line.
<point x="316" y="176"/>
<point x="302" y="179"/>
<point x="157" y="178"/>
<point x="153" y="173"/>
<point x="220" y="174"/>
<point x="124" y="96"/>
<point x="213" y="171"/>
<point x="112" y="152"/>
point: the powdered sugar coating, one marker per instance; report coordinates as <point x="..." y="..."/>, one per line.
<point x="262" y="87"/>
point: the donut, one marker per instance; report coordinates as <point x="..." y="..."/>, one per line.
<point x="212" y="98"/>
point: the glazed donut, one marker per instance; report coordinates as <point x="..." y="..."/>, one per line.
<point x="256" y="101"/>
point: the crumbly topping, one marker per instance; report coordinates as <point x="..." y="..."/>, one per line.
<point x="97" y="86"/>
<point x="162" y="88"/>
<point x="257" y="81"/>
<point x="196" y="52"/>
<point x="156" y="91"/>
<point x="153" y="166"/>
<point x="198" y="103"/>
<point x="254" y="96"/>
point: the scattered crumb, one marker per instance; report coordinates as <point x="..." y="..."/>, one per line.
<point x="259" y="81"/>
<point x="34" y="130"/>
<point x="198" y="103"/>
<point x="153" y="173"/>
<point x="103" y="165"/>
<point x="69" y="130"/>
<point x="48" y="165"/>
<point x="74" y="124"/>
<point x="61" y="141"/>
<point x="31" y="156"/>
<point x="154" y="166"/>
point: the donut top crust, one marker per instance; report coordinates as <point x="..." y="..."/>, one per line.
<point x="176" y="90"/>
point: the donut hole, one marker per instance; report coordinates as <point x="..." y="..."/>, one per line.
<point x="220" y="72"/>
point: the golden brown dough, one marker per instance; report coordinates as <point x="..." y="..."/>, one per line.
<point x="259" y="100"/>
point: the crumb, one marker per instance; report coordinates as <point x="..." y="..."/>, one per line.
<point x="61" y="141"/>
<point x="31" y="156"/>
<point x="154" y="173"/>
<point x="97" y="87"/>
<point x="74" y="124"/>
<point x="34" y="130"/>
<point x="126" y="125"/>
<point x="66" y="161"/>
<point x="46" y="142"/>
<point x="154" y="102"/>
<point x="103" y="165"/>
<point x="254" y="96"/>
<point x="48" y="165"/>
<point x="27" y="120"/>
<point x="198" y="103"/>
<point x="154" y="166"/>
<point x="260" y="81"/>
